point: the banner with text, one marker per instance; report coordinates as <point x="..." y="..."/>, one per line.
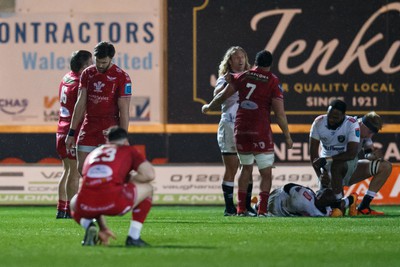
<point x="322" y="50"/>
<point x="36" y="48"/>
<point x="178" y="185"/>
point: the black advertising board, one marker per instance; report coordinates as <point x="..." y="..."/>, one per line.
<point x="322" y="50"/>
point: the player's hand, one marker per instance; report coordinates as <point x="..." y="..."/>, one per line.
<point x="289" y="142"/>
<point x="318" y="163"/>
<point x="228" y="77"/>
<point x="70" y="142"/>
<point x="205" y="108"/>
<point x="376" y="154"/>
<point x="105" y="235"/>
<point x="325" y="179"/>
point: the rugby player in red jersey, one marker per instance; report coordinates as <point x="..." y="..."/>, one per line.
<point x="68" y="94"/>
<point x="259" y="93"/>
<point x="104" y="96"/>
<point x="110" y="188"/>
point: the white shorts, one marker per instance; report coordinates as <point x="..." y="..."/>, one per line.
<point x="263" y="160"/>
<point x="225" y="137"/>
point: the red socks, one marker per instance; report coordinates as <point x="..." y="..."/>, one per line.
<point x="62" y="205"/>
<point x="241" y="201"/>
<point x="139" y="214"/>
<point x="263" y="203"/>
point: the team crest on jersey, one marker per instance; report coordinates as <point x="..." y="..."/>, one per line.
<point x="358" y="132"/>
<point x="98" y="86"/>
<point x="341" y="138"/>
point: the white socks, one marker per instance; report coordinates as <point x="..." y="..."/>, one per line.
<point x="135" y="229"/>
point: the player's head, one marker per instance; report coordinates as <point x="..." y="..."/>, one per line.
<point x="336" y="113"/>
<point x="372" y="124"/>
<point x="263" y="59"/>
<point x="104" y="53"/>
<point x="325" y="197"/>
<point x="80" y="60"/>
<point x="234" y="60"/>
<point x="117" y="135"/>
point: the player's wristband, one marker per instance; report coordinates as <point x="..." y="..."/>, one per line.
<point x="329" y="159"/>
<point x="71" y="132"/>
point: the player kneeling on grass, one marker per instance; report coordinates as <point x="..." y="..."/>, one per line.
<point x="110" y="188"/>
<point x="297" y="200"/>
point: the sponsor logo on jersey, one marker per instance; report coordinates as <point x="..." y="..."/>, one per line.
<point x="99" y="171"/>
<point x="247" y="104"/>
<point x="111" y="79"/>
<point x="128" y="88"/>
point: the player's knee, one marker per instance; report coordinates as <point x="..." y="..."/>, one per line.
<point x="385" y="167"/>
<point x="149" y="190"/>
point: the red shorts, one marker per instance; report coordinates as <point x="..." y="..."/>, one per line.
<point x="62" y="131"/>
<point x="94" y="130"/>
<point x="112" y="201"/>
<point x="247" y="143"/>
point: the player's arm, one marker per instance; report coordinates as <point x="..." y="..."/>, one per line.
<point x="371" y="152"/>
<point x="281" y="120"/>
<point x="219" y="88"/>
<point x="145" y="173"/>
<point x="105" y="233"/>
<point x="77" y="116"/>
<point x="314" y="154"/>
<point x="351" y="152"/>
<point x="123" y="105"/>
<point x="218" y="99"/>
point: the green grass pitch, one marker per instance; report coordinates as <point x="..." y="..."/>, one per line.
<point x="202" y="236"/>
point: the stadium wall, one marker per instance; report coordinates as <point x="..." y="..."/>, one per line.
<point x="172" y="49"/>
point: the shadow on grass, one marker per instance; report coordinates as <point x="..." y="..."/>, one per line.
<point x="164" y="246"/>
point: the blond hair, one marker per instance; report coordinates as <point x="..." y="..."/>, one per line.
<point x="374" y="119"/>
<point x="224" y="66"/>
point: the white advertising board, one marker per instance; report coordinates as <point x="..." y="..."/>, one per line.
<point x="183" y="185"/>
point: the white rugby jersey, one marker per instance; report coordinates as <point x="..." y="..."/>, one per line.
<point x="334" y="142"/>
<point x="299" y="202"/>
<point x="230" y="105"/>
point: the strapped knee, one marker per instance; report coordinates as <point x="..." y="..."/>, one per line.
<point x="374" y="166"/>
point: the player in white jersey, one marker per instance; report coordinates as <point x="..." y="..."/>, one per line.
<point x="235" y="60"/>
<point x="339" y="137"/>
<point x="297" y="200"/>
<point x="342" y="138"/>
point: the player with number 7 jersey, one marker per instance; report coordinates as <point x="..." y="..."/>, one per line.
<point x="257" y="88"/>
<point x="259" y="93"/>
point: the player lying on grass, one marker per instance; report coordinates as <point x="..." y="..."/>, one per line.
<point x="109" y="188"/>
<point x="297" y="200"/>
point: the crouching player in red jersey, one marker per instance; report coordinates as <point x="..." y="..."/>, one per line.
<point x="109" y="188"/>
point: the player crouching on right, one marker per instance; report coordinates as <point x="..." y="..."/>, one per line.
<point x="110" y="188"/>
